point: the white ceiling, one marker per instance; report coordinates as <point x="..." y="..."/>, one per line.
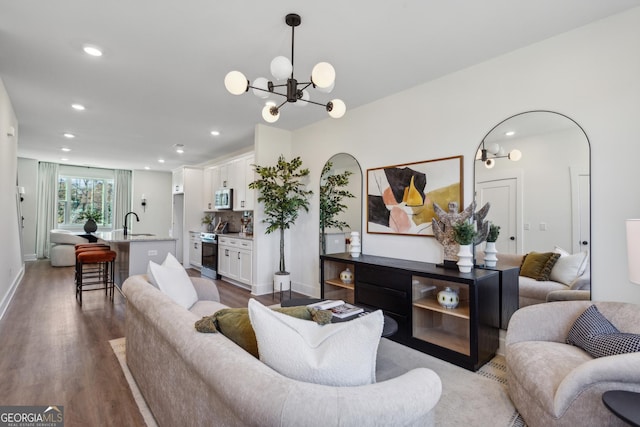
<point x="160" y="80"/>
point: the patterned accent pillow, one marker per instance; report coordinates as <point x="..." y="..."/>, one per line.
<point x="537" y="265"/>
<point x="597" y="336"/>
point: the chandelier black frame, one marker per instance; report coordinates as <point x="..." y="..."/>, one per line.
<point x="237" y="83"/>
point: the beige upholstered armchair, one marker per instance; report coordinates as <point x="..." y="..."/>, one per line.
<point x="553" y="383"/>
<point x="62" y="251"/>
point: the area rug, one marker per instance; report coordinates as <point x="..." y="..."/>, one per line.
<point x="118" y="345"/>
<point x="468" y="399"/>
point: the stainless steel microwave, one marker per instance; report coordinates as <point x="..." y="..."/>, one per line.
<point x="224" y="199"/>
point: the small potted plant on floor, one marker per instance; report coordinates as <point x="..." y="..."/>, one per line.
<point x="284" y="195"/>
<point x="464" y="232"/>
<point x="93" y="217"/>
<point x="490" y="258"/>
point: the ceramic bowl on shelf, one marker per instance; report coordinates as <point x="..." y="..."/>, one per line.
<point x="346" y="276"/>
<point x="448" y="298"/>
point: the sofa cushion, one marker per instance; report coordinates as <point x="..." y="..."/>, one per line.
<point x="172" y="279"/>
<point x="569" y="266"/>
<point x="538" y="265"/>
<point x="206" y="307"/>
<point x="597" y="336"/>
<point x="337" y="354"/>
<point x="234" y="323"/>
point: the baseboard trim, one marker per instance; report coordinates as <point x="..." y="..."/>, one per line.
<point x="6" y="299"/>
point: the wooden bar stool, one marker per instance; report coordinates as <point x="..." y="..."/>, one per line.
<point x="95" y="270"/>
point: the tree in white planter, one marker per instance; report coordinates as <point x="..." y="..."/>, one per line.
<point x="284" y="195"/>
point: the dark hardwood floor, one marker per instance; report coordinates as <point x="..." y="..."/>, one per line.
<point x="56" y="352"/>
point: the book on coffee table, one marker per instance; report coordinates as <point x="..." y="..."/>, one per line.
<point x="339" y="308"/>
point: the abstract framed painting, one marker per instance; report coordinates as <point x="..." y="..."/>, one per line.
<point x="400" y="198"/>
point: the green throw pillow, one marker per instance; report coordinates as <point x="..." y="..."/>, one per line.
<point x="234" y="323"/>
<point x="537" y="265"/>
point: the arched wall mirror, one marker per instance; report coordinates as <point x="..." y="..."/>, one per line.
<point x="534" y="169"/>
<point x="339" y="215"/>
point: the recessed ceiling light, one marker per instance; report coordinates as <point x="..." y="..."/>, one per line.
<point x="64" y="159"/>
<point x="179" y="148"/>
<point x="68" y="135"/>
<point x="66" y="149"/>
<point x="92" y="50"/>
<point x="147" y="168"/>
<point x="215" y="133"/>
<point x="510" y="133"/>
<point x="78" y="107"/>
<point x="160" y="160"/>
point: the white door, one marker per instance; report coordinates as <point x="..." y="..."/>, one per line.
<point x="502" y="196"/>
<point x="580" y="210"/>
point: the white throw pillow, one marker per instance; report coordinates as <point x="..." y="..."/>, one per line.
<point x="172" y="279"/>
<point x="568" y="267"/>
<point x="337" y="354"/>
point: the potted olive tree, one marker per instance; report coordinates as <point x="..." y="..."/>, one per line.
<point x="284" y="194"/>
<point x="464" y="233"/>
<point x="332" y="192"/>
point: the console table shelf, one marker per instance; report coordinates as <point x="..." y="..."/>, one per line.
<point x="340" y="283"/>
<point x="462" y="310"/>
<point x="407" y="291"/>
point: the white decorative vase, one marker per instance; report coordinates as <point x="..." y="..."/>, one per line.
<point x="465" y="259"/>
<point x="448" y="298"/>
<point x="355" y="244"/>
<point x="490" y="258"/>
<point x="346" y="276"/>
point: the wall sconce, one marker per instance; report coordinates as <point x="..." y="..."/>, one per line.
<point x="21" y="192"/>
<point x="143" y="202"/>
<point x="496" y="152"/>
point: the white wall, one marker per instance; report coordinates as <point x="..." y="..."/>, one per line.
<point x="11" y="264"/>
<point x="156" y="186"/>
<point x="589" y="74"/>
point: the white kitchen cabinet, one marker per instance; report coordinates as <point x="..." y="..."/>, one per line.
<point x="245" y="174"/>
<point x="187" y="209"/>
<point x="235" y="259"/>
<point x="177" y="181"/>
<point x="195" y="250"/>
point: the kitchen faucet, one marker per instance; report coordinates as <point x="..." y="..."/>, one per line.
<point x="125" y="221"/>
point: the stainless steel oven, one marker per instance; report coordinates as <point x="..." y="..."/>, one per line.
<point x="209" y="255"/>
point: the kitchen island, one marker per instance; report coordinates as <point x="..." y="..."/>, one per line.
<point x="134" y="251"/>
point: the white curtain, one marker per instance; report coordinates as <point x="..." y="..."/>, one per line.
<point x="122" y="197"/>
<point x="46" y="206"/>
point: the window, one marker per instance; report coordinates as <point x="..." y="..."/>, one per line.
<point x="80" y="194"/>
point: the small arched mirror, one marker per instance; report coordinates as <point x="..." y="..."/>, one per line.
<point x="534" y="170"/>
<point x="340" y="202"/>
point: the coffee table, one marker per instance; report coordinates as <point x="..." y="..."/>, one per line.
<point x="389" y="328"/>
<point x="625" y="404"/>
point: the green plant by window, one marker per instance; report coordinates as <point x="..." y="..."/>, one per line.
<point x="91" y="214"/>
<point x="494" y="232"/>
<point x="464" y="233"/>
<point x="284" y="195"/>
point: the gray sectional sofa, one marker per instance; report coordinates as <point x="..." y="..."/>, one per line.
<point x="191" y="378"/>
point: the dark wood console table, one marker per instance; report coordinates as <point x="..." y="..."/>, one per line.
<point x="407" y="291"/>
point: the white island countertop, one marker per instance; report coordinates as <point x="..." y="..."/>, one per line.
<point x="117" y="236"/>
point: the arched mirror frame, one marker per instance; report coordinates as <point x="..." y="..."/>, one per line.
<point x="479" y="163"/>
<point x="347" y="161"/>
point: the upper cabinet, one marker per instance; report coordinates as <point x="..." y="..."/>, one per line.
<point x="177" y="181"/>
<point x="235" y="174"/>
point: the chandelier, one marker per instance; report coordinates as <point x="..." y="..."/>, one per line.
<point x="322" y="79"/>
<point x="495" y="151"/>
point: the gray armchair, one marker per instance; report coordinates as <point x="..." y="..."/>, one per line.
<point x="552" y="383"/>
<point x="63" y="244"/>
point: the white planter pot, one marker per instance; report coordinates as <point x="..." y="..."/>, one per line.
<point x="490" y="258"/>
<point x="465" y="259"/>
<point x="281" y="282"/>
<point x="355" y="244"/>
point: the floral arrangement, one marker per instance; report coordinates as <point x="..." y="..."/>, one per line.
<point x="464" y="232"/>
<point x="494" y="232"/>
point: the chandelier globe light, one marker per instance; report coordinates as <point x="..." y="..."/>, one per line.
<point x="323" y="77"/>
<point x="493" y="151"/>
